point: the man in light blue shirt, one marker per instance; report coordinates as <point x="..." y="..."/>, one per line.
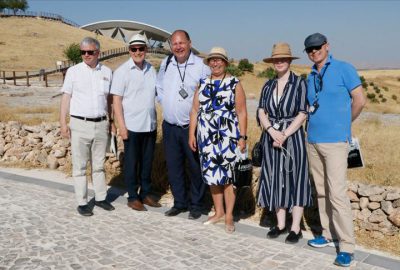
<point x="336" y="99"/>
<point x="134" y="93"/>
<point x="177" y="80"/>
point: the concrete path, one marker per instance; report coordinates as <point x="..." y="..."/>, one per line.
<point x="41" y="229"/>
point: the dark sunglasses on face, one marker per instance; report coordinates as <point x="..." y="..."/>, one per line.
<point x="141" y="49"/>
<point x="83" y="52"/>
<point x="311" y="49"/>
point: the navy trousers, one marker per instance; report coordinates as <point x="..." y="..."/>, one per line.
<point x="177" y="150"/>
<point x="138" y="159"/>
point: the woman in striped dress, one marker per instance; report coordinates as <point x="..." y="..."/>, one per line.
<point x="285" y="183"/>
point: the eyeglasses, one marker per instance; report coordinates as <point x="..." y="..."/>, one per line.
<point x="141" y="49"/>
<point x="311" y="49"/>
<point x="91" y="52"/>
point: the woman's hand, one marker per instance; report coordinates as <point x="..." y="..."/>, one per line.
<point x="192" y="142"/>
<point x="277" y="136"/>
<point x="242" y="145"/>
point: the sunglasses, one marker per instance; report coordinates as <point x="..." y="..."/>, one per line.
<point x="141" y="49"/>
<point x="311" y="49"/>
<point x="83" y="52"/>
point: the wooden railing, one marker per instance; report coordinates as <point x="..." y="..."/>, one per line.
<point x="24" y="77"/>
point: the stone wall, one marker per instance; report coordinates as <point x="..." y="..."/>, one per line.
<point x="375" y="208"/>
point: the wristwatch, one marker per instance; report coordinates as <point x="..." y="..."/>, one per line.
<point x="244" y="137"/>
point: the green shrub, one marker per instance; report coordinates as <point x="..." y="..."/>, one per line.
<point x="73" y="53"/>
<point x="234" y="70"/>
<point x="362" y="79"/>
<point x="380" y="95"/>
<point x="371" y="96"/>
<point x="268" y="73"/>
<point x="245" y="65"/>
<point x="394" y="97"/>
<point x="377" y="90"/>
<point x="365" y="85"/>
<point x="385" y="88"/>
<point x="374" y="100"/>
<point x="383" y="100"/>
<point x="371" y="84"/>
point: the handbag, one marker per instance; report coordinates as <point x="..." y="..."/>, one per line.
<point x="257" y="152"/>
<point x="243" y="173"/>
<point x="354" y="158"/>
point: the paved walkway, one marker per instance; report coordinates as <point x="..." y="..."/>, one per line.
<point x="40" y="229"/>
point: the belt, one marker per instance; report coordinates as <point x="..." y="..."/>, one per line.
<point x="97" y="119"/>
<point x="174" y="125"/>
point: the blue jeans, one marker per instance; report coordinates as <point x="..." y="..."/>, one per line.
<point x="138" y="160"/>
<point x="177" y="150"/>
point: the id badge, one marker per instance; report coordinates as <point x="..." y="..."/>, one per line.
<point x="313" y="108"/>
<point x="183" y="92"/>
<point x="277" y="126"/>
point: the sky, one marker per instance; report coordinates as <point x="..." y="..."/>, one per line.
<point x="364" y="33"/>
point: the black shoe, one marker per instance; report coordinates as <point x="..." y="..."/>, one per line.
<point x="194" y="214"/>
<point x="275" y="232"/>
<point x="85" y="210"/>
<point x="175" y="211"/>
<point x="293" y="238"/>
<point x="105" y="205"/>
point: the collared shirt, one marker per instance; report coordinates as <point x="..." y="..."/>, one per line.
<point x="331" y="123"/>
<point x="176" y="109"/>
<point x="89" y="88"/>
<point x="138" y="90"/>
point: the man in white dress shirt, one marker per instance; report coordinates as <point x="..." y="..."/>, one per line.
<point x="86" y="98"/>
<point x="134" y="93"/>
<point x="177" y="80"/>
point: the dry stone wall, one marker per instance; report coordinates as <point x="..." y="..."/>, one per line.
<point x="375" y="208"/>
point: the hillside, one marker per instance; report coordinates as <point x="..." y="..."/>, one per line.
<point x="34" y="43"/>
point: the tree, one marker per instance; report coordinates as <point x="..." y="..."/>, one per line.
<point x="2" y="5"/>
<point x="73" y="53"/>
<point x="16" y="5"/>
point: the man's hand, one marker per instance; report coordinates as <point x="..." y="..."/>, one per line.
<point x="65" y="132"/>
<point x="192" y="143"/>
<point x="123" y="132"/>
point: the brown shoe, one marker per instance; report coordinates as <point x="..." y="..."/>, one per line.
<point x="137" y="205"/>
<point x="151" y="202"/>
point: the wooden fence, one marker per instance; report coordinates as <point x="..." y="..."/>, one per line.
<point x="24" y="77"/>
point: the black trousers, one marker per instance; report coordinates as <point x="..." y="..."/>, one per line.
<point x="177" y="151"/>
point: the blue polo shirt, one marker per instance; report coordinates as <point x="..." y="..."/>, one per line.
<point x="331" y="123"/>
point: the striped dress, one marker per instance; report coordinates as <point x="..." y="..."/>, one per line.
<point x="284" y="173"/>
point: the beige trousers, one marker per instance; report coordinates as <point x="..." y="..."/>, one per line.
<point x="88" y="143"/>
<point x="328" y="166"/>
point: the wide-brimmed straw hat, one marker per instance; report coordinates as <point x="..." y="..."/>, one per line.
<point x="216" y="52"/>
<point x="280" y="50"/>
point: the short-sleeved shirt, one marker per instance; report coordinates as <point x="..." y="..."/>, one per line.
<point x="89" y="88"/>
<point x="331" y="123"/>
<point x="176" y="109"/>
<point x="138" y="90"/>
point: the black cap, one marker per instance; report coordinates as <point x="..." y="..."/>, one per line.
<point x="313" y="40"/>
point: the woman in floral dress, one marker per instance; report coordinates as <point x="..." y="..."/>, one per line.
<point x="220" y="117"/>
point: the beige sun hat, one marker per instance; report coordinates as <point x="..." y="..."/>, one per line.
<point x="280" y="50"/>
<point x="216" y="52"/>
<point x="138" y="39"/>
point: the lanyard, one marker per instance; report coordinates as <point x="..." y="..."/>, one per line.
<point x="321" y="77"/>
<point x="278" y="104"/>
<point x="184" y="72"/>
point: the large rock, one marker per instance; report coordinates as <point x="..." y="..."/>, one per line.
<point x="387" y="207"/>
<point x="352" y="186"/>
<point x="392" y="195"/>
<point x="364" y="214"/>
<point x="1" y="150"/>
<point x="367" y="190"/>
<point x="364" y="202"/>
<point x="396" y="203"/>
<point x="374" y="205"/>
<point x="59" y="152"/>
<point x="376" y="198"/>
<point x="368" y="226"/>
<point x="52" y="162"/>
<point x="353" y="196"/>
<point x="32" y="129"/>
<point x="377" y="216"/>
<point x="355" y="206"/>
<point x="395" y="217"/>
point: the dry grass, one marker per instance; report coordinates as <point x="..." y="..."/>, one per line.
<point x="379" y="144"/>
<point x="34" y="43"/>
<point x="29" y="115"/>
<point x="389" y="244"/>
